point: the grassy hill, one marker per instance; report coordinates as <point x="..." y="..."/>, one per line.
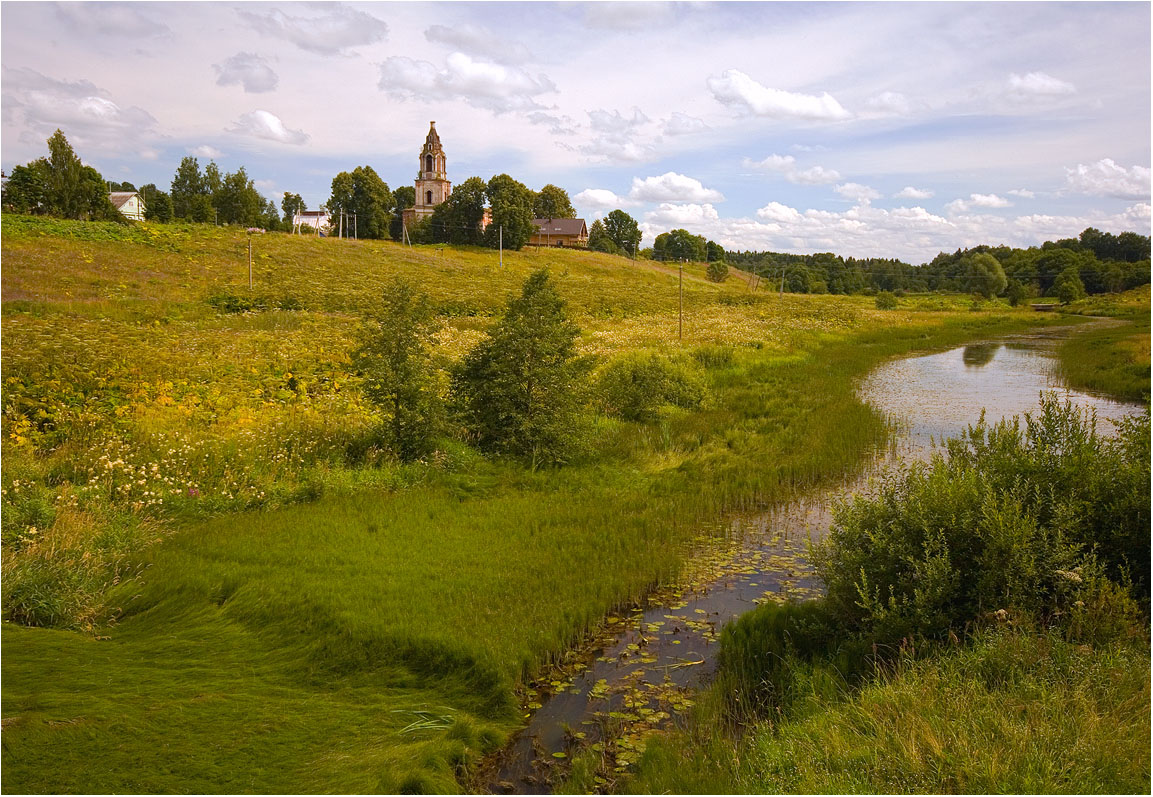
<point x="214" y="581"/>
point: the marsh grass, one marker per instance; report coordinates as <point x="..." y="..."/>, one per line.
<point x="272" y="597"/>
<point x="1111" y="359"/>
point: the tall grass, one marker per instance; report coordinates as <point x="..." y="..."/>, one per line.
<point x="277" y="605"/>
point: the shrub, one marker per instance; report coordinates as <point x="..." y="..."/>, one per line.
<point x="634" y="386"/>
<point x="517" y="390"/>
<point x="886" y="301"/>
<point x="717" y="271"/>
<point x="1024" y="521"/>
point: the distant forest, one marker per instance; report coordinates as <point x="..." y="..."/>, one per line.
<point x="1104" y="263"/>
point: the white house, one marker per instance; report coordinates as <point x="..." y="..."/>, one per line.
<point x="129" y="203"/>
<point x="316" y="219"/>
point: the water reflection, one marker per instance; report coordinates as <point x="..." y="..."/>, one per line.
<point x="979" y="354"/>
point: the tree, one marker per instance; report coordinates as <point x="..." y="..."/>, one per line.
<point x="237" y="201"/>
<point x="67" y="194"/>
<point x="27" y="188"/>
<point x="114" y="186"/>
<point x="985" y="275"/>
<point x="365" y="200"/>
<point x="622" y="229"/>
<point x="457" y="219"/>
<point x="552" y="202"/>
<point x="1016" y="293"/>
<point x="512" y="213"/>
<point x="599" y="240"/>
<point x="679" y="245"/>
<point x="188" y="188"/>
<point x="1068" y="286"/>
<point x="517" y="390"/>
<point x="157" y="203"/>
<point x="403" y="198"/>
<point x="292" y="204"/>
<point x="714" y="251"/>
<point x="393" y="360"/>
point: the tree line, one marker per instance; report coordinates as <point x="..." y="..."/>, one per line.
<point x="1094" y="262"/>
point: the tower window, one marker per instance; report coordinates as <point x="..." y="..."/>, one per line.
<point x="428" y="197"/>
<point x="428" y="163"/>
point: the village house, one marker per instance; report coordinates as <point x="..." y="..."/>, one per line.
<point x="129" y="203"/>
<point x="559" y="232"/>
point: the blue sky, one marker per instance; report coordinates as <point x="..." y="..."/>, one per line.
<point x="866" y="129"/>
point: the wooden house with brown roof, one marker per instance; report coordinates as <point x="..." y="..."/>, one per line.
<point x="560" y="232"/>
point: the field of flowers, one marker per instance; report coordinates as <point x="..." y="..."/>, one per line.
<point x="160" y="417"/>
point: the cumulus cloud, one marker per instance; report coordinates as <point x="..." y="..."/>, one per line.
<point x="87" y="113"/>
<point x="775" y="211"/>
<point x="1038" y="84"/>
<point x="494" y="87"/>
<point x="332" y="31"/>
<point x="736" y="89"/>
<point x="787" y="165"/>
<point x="557" y="125"/>
<point x="672" y="187"/>
<point x="977" y="201"/>
<point x="247" y="70"/>
<point x="126" y="20"/>
<point x="616" y="136"/>
<point x="206" y="151"/>
<point x="1106" y="178"/>
<point x="1024" y="193"/>
<point x="479" y="41"/>
<point x="267" y="126"/>
<point x="601" y="199"/>
<point x="889" y="103"/>
<point x="861" y="194"/>
<point x="614" y="122"/>
<point x="681" y="124"/>
<point x="909" y="192"/>
<point x="674" y="216"/>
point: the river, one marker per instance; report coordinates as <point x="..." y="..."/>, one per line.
<point x="643" y="670"/>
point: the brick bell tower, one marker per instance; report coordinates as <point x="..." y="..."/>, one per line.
<point x="432" y="185"/>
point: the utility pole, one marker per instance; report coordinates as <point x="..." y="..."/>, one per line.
<point x="501" y="237"/>
<point x="355" y="237"/>
<point x="681" y="302"/>
<point x="250" y="261"/>
<point x="782" y="294"/>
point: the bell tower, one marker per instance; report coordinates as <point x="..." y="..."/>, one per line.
<point x="432" y="185"/>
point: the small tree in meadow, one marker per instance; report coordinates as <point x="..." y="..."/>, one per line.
<point x="717" y="271"/>
<point x="393" y="360"/>
<point x="1068" y="286"/>
<point x="517" y="390"/>
<point x="886" y="301"/>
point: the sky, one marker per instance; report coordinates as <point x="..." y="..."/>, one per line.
<point x="864" y="129"/>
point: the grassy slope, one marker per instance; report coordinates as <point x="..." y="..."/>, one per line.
<point x="287" y="649"/>
<point x="1113" y="360"/>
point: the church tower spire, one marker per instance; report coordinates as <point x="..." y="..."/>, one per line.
<point x="432" y="185"/>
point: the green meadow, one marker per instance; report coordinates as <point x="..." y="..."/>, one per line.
<point x="216" y="580"/>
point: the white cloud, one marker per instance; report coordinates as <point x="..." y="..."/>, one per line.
<point x="614" y="123"/>
<point x="977" y="201"/>
<point x="206" y="151"/>
<point x="1024" y="193"/>
<point x="601" y="199"/>
<point x="817" y="175"/>
<point x="248" y="70"/>
<point x="681" y="124"/>
<point x="1039" y="84"/>
<point x="775" y="211"/>
<point x="479" y="41"/>
<point x="335" y="29"/>
<point x="87" y="114"/>
<point x="861" y="194"/>
<point x="673" y="216"/>
<point x="909" y="192"/>
<point x="787" y="165"/>
<point x="267" y="126"/>
<point x="1106" y="178"/>
<point x="672" y="187"/>
<point x="627" y="15"/>
<point x="889" y="103"/>
<point x="735" y="88"/>
<point x="557" y="125"/>
<point x="494" y="87"/>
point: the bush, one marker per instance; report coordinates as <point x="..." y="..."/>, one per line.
<point x="517" y="390"/>
<point x="1024" y="522"/>
<point x="717" y="271"/>
<point x="635" y="385"/>
<point x="886" y="301"/>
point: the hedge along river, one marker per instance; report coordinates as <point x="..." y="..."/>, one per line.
<point x="641" y="672"/>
